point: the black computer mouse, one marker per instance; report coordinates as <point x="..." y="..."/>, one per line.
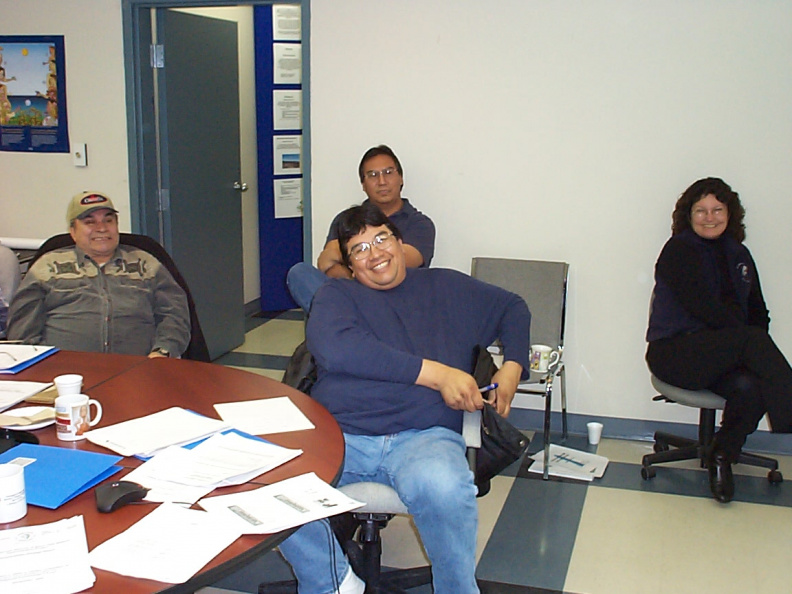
<point x="111" y="496"/>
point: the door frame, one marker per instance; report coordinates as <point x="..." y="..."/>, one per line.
<point x="136" y="24"/>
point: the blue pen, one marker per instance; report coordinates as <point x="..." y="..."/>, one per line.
<point x="488" y="388"/>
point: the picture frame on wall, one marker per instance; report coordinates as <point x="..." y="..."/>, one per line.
<point x="33" y="94"/>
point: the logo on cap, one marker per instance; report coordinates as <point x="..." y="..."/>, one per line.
<point x="93" y="199"/>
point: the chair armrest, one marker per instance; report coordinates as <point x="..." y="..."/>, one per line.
<point x="471" y="428"/>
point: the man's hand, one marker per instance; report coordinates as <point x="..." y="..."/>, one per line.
<point x="507" y="378"/>
<point x="458" y="389"/>
<point x="331" y="263"/>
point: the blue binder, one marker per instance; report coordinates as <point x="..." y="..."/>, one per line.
<point x="53" y="475"/>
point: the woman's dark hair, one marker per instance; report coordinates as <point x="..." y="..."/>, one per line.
<point x="375" y="152"/>
<point x="355" y="220"/>
<point x="723" y="192"/>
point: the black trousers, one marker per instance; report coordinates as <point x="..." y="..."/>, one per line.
<point x="743" y="365"/>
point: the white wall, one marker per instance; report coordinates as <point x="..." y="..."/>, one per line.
<point x="35" y="188"/>
<point x="565" y="130"/>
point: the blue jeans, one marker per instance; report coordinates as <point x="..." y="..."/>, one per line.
<point x="429" y="471"/>
<point x="303" y="281"/>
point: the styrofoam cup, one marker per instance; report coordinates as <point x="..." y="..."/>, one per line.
<point x="71" y="383"/>
<point x="594" y="432"/>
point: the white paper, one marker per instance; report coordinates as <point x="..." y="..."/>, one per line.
<point x="171" y="544"/>
<point x="287" y="63"/>
<point x="569" y="463"/>
<point x="279" y="506"/>
<point x="288" y="198"/>
<point x="286" y="24"/>
<point x="144" y="436"/>
<point x="287" y="106"/>
<point x="154" y="475"/>
<point x="45" y="559"/>
<point x="287" y="151"/>
<point x="14" y="392"/>
<point x="264" y="417"/>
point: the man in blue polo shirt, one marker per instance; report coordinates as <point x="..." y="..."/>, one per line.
<point x="382" y="178"/>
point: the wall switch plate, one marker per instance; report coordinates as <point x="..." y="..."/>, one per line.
<point x="80" y="154"/>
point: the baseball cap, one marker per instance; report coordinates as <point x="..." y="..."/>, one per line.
<point x="85" y="203"/>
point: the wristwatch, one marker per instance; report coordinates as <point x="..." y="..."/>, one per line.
<point x="161" y="351"/>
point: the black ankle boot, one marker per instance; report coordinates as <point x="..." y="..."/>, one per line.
<point x="720" y="475"/>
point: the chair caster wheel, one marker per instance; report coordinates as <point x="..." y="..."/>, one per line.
<point x="647" y="472"/>
<point x="660" y="447"/>
<point x="775" y="477"/>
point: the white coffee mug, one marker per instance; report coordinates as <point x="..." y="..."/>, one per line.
<point x="13" y="504"/>
<point x="73" y="416"/>
<point x="543" y="357"/>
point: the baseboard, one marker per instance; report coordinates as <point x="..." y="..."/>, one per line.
<point x="641" y="430"/>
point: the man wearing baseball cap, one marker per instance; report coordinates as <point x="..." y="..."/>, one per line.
<point x="99" y="295"/>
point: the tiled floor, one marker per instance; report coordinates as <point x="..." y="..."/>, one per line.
<point x="616" y="535"/>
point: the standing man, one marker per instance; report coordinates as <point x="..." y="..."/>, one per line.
<point x="382" y="179"/>
<point x="98" y="295"/>
<point x="394" y="355"/>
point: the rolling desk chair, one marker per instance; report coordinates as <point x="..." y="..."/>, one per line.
<point x="692" y="449"/>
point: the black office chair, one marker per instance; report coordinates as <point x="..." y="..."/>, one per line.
<point x="358" y="532"/>
<point x="692" y="449"/>
<point x="196" y="349"/>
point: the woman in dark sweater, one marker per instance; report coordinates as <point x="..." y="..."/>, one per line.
<point x="708" y="328"/>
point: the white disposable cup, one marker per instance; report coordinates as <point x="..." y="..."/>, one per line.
<point x="13" y="504"/>
<point x="73" y="416"/>
<point x="594" y="432"/>
<point x="71" y="383"/>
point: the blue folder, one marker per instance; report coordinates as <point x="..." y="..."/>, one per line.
<point x="57" y="475"/>
<point x="35" y="358"/>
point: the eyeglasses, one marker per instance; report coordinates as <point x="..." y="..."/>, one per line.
<point x="700" y="213"/>
<point x="382" y="241"/>
<point x="387" y="172"/>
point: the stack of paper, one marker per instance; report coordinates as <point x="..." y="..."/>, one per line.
<point x="569" y="463"/>
<point x="53" y="475"/>
<point x="147" y="435"/>
<point x="14" y="392"/>
<point x="279" y="506"/>
<point x="46" y="558"/>
<point x="184" y="475"/>
<point x="16" y="357"/>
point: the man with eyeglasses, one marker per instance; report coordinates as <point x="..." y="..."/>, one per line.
<point x="381" y="177"/>
<point x="394" y="355"/>
<point x="98" y="295"/>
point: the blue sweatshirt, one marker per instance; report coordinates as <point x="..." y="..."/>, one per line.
<point x="369" y="345"/>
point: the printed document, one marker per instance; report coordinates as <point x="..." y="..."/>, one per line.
<point x="146" y="435"/>
<point x="46" y="558"/>
<point x="14" y="392"/>
<point x="569" y="463"/>
<point x="171" y="544"/>
<point x="279" y="506"/>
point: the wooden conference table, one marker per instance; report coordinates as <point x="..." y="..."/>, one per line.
<point x="129" y="387"/>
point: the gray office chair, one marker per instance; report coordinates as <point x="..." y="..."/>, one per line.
<point x="692" y="449"/>
<point x="543" y="286"/>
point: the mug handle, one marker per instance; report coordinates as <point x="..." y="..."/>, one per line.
<point x="98" y="417"/>
<point x="553" y="362"/>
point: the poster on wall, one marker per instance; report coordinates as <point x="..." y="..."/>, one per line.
<point x="33" y="94"/>
<point x="287" y="151"/>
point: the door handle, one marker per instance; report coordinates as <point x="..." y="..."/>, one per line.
<point x="241" y="186"/>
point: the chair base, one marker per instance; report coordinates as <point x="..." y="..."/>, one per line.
<point x="359" y="535"/>
<point x="692" y="449"/>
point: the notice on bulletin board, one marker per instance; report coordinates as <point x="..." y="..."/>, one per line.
<point x="286" y="23"/>
<point x="287" y="106"/>
<point x="288" y="198"/>
<point x="33" y="94"/>
<point x="287" y="66"/>
<point x="287" y="151"/>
